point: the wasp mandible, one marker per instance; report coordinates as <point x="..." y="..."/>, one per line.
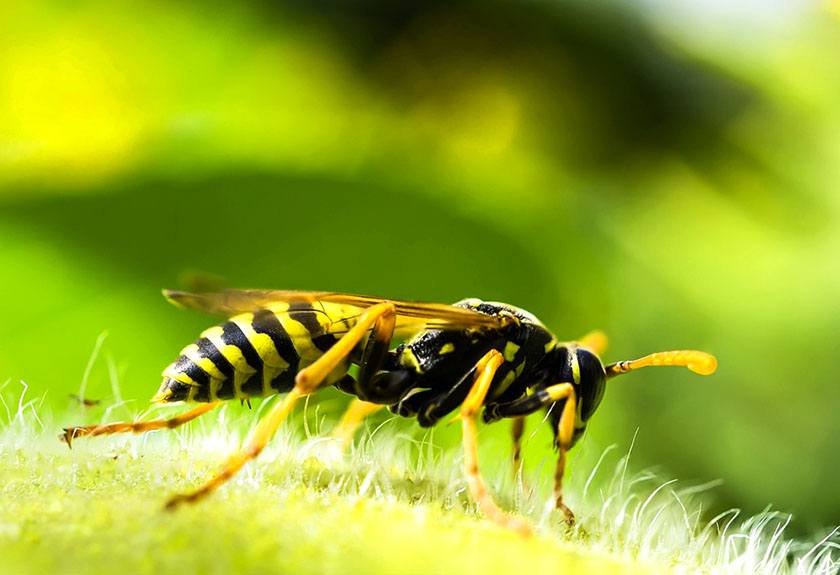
<point x="482" y="358"/>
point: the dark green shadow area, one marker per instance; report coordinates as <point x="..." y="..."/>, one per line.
<point x="98" y="261"/>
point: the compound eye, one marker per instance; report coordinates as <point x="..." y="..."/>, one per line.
<point x="592" y="382"/>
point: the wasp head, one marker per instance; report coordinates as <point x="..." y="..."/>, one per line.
<point x="583" y="369"/>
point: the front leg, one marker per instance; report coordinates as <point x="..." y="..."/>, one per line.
<point x="563" y="393"/>
<point x="565" y="434"/>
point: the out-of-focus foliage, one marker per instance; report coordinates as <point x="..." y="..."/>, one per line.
<point x="666" y="172"/>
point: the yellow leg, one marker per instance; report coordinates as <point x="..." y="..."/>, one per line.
<point x="565" y="432"/>
<point x="596" y="341"/>
<point x="307" y="381"/>
<point x="258" y="439"/>
<point x="485" y="370"/>
<point x="380" y="315"/>
<point x="352" y="419"/>
<point x="71" y="433"/>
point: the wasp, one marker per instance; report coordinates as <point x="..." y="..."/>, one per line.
<point x="481" y="358"/>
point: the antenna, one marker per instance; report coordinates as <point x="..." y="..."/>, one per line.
<point x="697" y="361"/>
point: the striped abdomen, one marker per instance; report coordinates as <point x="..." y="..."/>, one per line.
<point x="255" y="354"/>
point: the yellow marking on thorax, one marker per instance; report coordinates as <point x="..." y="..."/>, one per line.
<point x="575" y="365"/>
<point x="241" y="368"/>
<point x="408" y="359"/>
<point x="510" y="351"/>
<point x="505" y="383"/>
<point x="446" y="348"/>
<point x="550" y="345"/>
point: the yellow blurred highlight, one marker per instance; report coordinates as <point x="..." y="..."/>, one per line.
<point x="485" y="122"/>
<point x="833" y="8"/>
<point x="66" y="106"/>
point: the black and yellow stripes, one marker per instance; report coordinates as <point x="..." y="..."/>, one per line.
<point x="255" y="354"/>
<point x="308" y="317"/>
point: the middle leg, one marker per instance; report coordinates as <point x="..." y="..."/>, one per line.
<point x="485" y="370"/>
<point x="375" y="388"/>
<point x="356" y="413"/>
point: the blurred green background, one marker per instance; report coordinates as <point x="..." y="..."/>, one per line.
<point x="665" y="171"/>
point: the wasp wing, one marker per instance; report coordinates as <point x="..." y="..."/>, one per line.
<point x="411" y="316"/>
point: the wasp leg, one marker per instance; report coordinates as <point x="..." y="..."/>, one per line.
<point x="352" y="419"/>
<point x="517" y="430"/>
<point x="307" y="381"/>
<point x="71" y="433"/>
<point x="485" y="370"/>
<point x="565" y="433"/>
<point x="438" y="405"/>
<point x="562" y="393"/>
<point x="528" y="404"/>
<point x="375" y="384"/>
<point x="374" y="388"/>
<point x="380" y="317"/>
<point x="596" y="341"/>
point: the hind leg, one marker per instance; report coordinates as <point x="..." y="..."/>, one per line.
<point x="375" y="388"/>
<point x="71" y="433"/>
<point x="307" y="381"/>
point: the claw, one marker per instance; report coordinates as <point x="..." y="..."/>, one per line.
<point x="68" y="436"/>
<point x="174" y="501"/>
<point x="567" y="513"/>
